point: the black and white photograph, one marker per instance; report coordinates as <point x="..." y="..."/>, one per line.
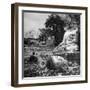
<point x="51" y="44"/>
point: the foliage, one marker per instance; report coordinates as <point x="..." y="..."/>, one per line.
<point x="54" y="26"/>
<point x="35" y="70"/>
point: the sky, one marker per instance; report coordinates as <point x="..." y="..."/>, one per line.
<point x="32" y="23"/>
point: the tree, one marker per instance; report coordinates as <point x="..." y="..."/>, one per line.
<point x="55" y="25"/>
<point x="43" y="35"/>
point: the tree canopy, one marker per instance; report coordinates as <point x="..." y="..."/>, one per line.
<point x="55" y="26"/>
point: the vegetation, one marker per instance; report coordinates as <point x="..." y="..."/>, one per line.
<point x="54" y="26"/>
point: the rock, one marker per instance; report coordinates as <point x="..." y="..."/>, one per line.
<point x="69" y="42"/>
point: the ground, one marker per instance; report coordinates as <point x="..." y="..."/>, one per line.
<point x="45" y="65"/>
